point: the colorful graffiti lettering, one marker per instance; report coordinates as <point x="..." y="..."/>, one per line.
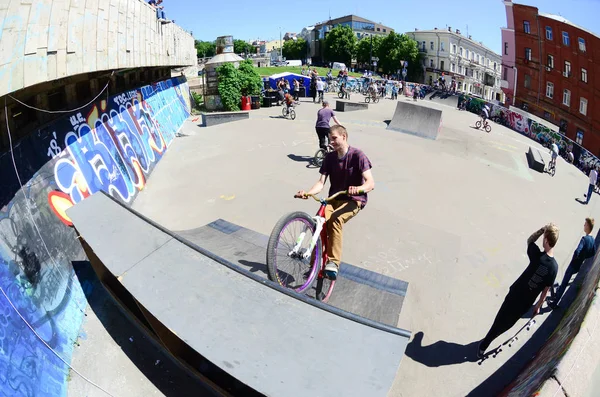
<point x="114" y="148"/>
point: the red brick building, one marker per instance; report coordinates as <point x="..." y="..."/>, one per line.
<point x="557" y="72"/>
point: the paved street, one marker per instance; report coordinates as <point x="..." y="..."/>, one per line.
<point x="449" y="216"/>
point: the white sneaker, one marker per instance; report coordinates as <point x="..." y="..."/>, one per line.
<point x="331" y="270"/>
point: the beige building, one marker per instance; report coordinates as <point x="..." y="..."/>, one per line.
<point x="475" y="67"/>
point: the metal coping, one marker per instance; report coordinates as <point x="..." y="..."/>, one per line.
<point x="266" y="282"/>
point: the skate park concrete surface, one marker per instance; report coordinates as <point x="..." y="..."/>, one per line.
<point x="450" y="216"/>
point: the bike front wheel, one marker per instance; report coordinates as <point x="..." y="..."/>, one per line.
<point x="292" y="114"/>
<point x="288" y="261"/>
<point x="488" y="128"/>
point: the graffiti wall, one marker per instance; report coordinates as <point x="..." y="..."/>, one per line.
<point x="112" y="145"/>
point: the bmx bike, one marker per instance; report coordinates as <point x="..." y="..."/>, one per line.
<point x="551" y="169"/>
<point x="291" y="114"/>
<point x="370" y="98"/>
<point x="320" y="155"/>
<point x="485" y="125"/>
<point x="297" y="251"/>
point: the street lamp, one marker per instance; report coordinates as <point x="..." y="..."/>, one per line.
<point x="280" y="46"/>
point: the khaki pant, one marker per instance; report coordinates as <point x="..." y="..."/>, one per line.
<point x="337" y="213"/>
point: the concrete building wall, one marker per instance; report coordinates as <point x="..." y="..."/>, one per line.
<point x="42" y="40"/>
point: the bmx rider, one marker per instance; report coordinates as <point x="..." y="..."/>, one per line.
<point x="349" y="169"/>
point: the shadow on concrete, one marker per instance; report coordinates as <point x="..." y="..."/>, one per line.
<point x="254" y="267"/>
<point x="580" y="201"/>
<point x="441" y="352"/>
<point x="303" y="159"/>
<point x="159" y="367"/>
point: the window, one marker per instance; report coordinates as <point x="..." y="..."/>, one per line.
<point x="547" y="115"/>
<point x="442" y="65"/>
<point x="550" y="61"/>
<point x="548" y="33"/>
<point x="467" y="54"/>
<point x="460" y="51"/>
<point x="452" y="67"/>
<point x="431" y="45"/>
<point x="579" y="137"/>
<point x="566" y="40"/>
<point x="431" y="63"/>
<point x="506" y="48"/>
<point x="526" y="27"/>
<point x="583" y="106"/>
<point x="550" y="90"/>
<point x="581" y="44"/>
<point x="505" y="73"/>
<point x="454" y="48"/>
<point x="567" y="69"/>
<point x="563" y="125"/>
<point x="424" y="46"/>
<point x="583" y="75"/>
<point x="567" y="98"/>
<point x="527" y="81"/>
<point x="495" y="66"/>
<point x="378" y="29"/>
<point x="528" y="54"/>
<point x="442" y="46"/>
<point x="384" y="30"/>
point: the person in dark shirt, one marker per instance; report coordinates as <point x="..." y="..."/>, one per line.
<point x="349" y="169"/>
<point x="586" y="249"/>
<point x="537" y="278"/>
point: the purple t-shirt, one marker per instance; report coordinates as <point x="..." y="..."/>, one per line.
<point x="323" y="117"/>
<point x="346" y="172"/>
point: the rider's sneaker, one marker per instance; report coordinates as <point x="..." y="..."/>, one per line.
<point x="331" y="270"/>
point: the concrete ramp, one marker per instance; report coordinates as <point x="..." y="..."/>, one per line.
<point x="416" y="120"/>
<point x="208" y="311"/>
<point x="444" y="98"/>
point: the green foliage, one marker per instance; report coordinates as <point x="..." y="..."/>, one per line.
<point x="340" y="45"/>
<point x="295" y="49"/>
<point x="241" y="47"/>
<point x="363" y="48"/>
<point x="396" y="47"/>
<point x="250" y="81"/>
<point x="415" y="68"/>
<point x="197" y="99"/>
<point x="229" y="86"/>
<point x="205" y="49"/>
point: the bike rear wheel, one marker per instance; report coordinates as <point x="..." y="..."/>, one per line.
<point x="288" y="268"/>
<point x="319" y="156"/>
<point x="284" y="111"/>
<point x="478" y="124"/>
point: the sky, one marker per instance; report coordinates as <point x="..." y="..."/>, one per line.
<point x="482" y="18"/>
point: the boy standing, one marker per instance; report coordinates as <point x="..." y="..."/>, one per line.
<point x="538" y="277"/>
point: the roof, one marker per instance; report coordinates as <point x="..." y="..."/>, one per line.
<point x="565" y="20"/>
<point x="349" y="17"/>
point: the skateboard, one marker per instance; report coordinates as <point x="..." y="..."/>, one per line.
<point x="529" y="325"/>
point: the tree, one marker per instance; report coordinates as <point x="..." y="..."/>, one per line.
<point x="363" y="49"/>
<point x="250" y="80"/>
<point x="205" y="49"/>
<point x="340" y="45"/>
<point x="229" y="86"/>
<point x="295" y="49"/>
<point x="241" y="47"/>
<point x="396" y="47"/>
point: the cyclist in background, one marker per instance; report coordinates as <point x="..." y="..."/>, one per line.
<point x="554" y="152"/>
<point x="324" y="115"/>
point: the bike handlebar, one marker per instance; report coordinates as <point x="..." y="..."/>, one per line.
<point x="328" y="199"/>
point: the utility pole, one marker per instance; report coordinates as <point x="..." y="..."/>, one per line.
<point x="280" y="46"/>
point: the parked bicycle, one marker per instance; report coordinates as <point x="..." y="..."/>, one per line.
<point x="297" y="251"/>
